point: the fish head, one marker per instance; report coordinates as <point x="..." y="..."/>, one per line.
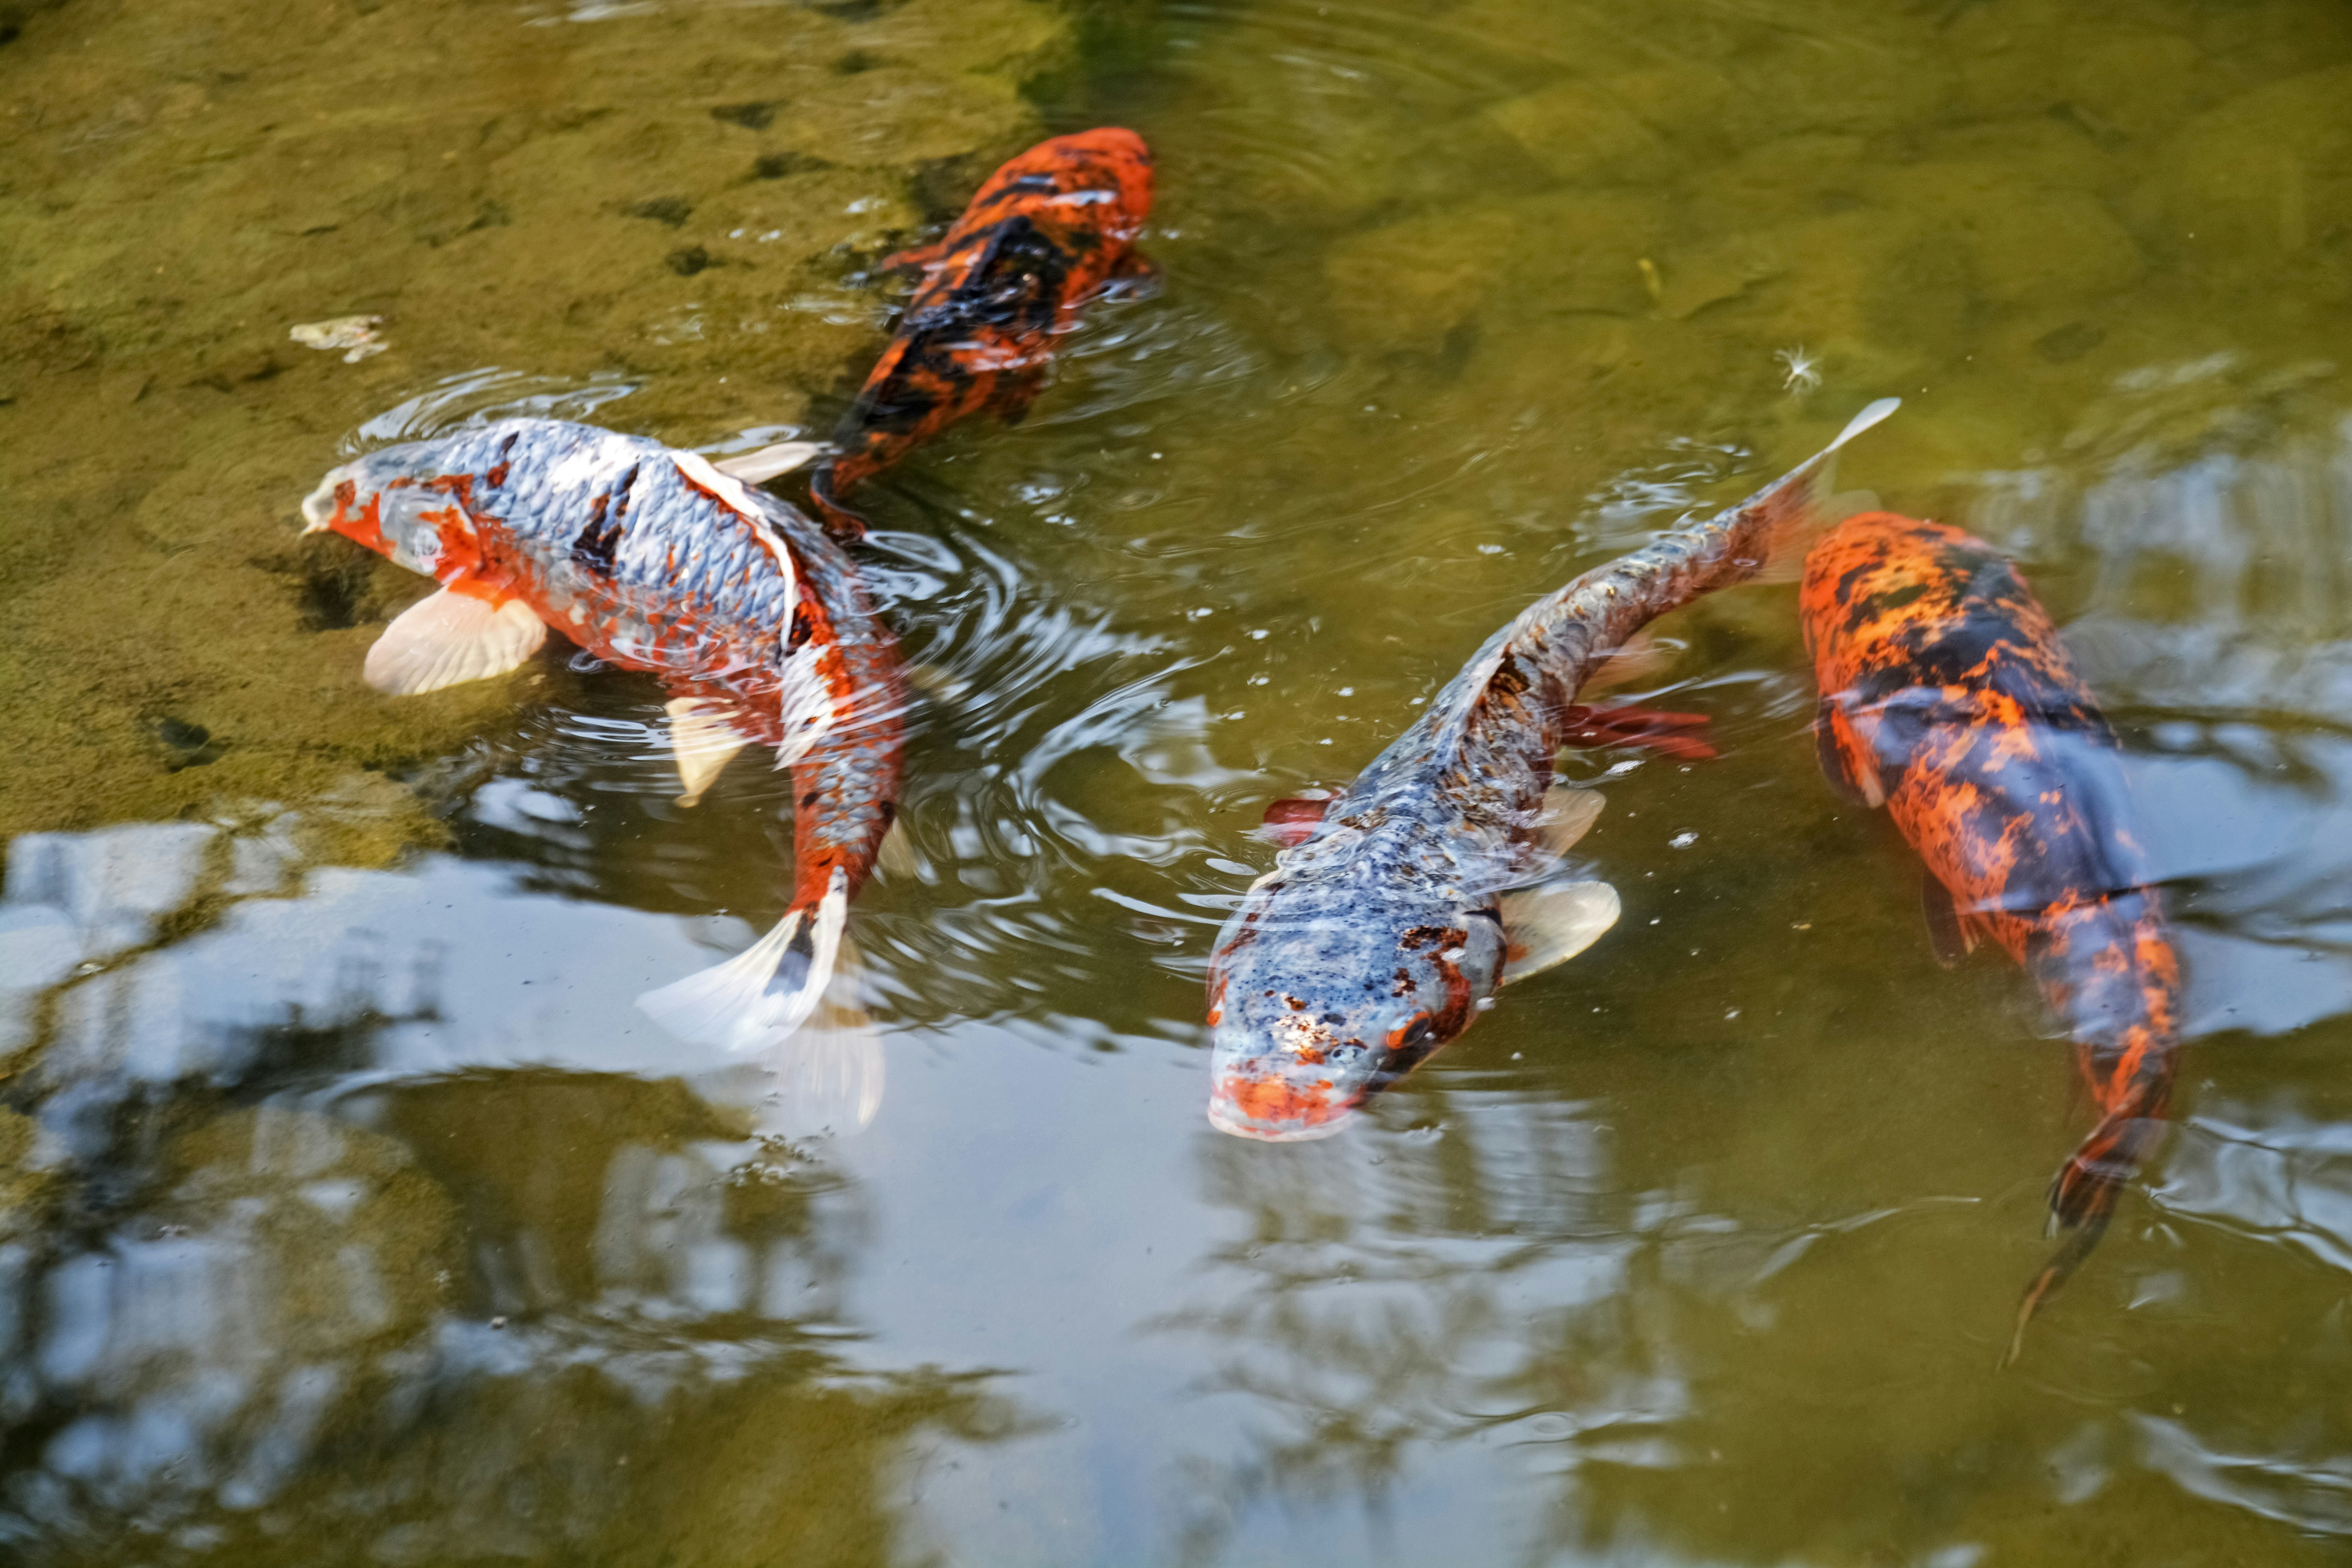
<point x="399" y="503"/>
<point x="1324" y="989"/>
<point x="1104" y="175"/>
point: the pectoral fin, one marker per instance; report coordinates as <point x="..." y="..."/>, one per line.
<point x="447" y="639"/>
<point x="1568" y="814"/>
<point x="1135" y="276"/>
<point x="1292" y="820"/>
<point x="702" y="741"/>
<point x="1945" y="936"/>
<point x="1637" y="658"/>
<point x="1552" y="924"/>
<point x="1854" y="789"/>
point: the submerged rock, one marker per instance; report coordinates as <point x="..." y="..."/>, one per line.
<point x="473" y="172"/>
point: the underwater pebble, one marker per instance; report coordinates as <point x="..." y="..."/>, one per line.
<point x="356" y="333"/>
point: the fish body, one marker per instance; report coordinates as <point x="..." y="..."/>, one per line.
<point x="1948" y="697"/>
<point x="753" y="619"/>
<point x="1048" y="233"/>
<point x="1405" y="900"/>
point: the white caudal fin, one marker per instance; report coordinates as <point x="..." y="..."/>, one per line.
<point x="445" y="639"/>
<point x="758" y="998"/>
<point x="701" y="740"/>
<point x="827" y="1078"/>
<point x="1798" y="505"/>
<point x="758" y="468"/>
<point x="1552" y="924"/>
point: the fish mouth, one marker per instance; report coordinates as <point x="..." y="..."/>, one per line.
<point x="318" y="506"/>
<point x="1273" y="1111"/>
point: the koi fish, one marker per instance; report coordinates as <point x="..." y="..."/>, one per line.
<point x="1406" y="900"/>
<point x="754" y="621"/>
<point x="1948" y="698"/>
<point x="1048" y="233"/>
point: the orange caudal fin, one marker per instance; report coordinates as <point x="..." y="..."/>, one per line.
<point x="2093" y="1178"/>
<point x="2062" y="1262"/>
<point x="1668" y="734"/>
<point x="2083" y="1198"/>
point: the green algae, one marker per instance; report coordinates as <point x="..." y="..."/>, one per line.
<point x="2008" y="213"/>
<point x="670" y="200"/>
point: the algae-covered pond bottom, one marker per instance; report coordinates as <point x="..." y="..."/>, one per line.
<point x="353" y="1213"/>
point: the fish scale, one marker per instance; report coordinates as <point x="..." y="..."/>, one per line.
<point x="651" y="559"/>
<point x="1393" y="918"/>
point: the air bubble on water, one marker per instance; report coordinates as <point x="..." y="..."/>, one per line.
<point x="1683" y="840"/>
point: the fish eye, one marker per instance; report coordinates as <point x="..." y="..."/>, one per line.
<point x="1409" y="1033"/>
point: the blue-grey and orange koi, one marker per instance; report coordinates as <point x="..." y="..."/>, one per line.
<point x="755" y="622"/>
<point x="1947" y="698"/>
<point x="1405" y="901"/>
<point x="1047" y="233"/>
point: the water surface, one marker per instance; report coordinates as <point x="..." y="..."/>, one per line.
<point x="354" y="1215"/>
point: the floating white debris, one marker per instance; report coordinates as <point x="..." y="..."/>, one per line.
<point x="355" y="334"/>
<point x="1683" y="840"/>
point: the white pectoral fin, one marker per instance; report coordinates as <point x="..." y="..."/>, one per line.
<point x="1568" y="814"/>
<point x="1552" y="924"/>
<point x="758" y="998"/>
<point x="702" y="739"/>
<point x="758" y="468"/>
<point x="447" y="639"/>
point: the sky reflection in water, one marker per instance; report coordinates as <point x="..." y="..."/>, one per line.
<point x="359" y="1213"/>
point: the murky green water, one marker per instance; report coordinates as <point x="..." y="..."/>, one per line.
<point x="352" y="1214"/>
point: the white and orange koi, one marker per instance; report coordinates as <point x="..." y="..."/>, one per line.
<point x="753" y="619"/>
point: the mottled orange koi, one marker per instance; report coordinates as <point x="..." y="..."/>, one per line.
<point x="1947" y="698"/>
<point x="1047" y="233"/>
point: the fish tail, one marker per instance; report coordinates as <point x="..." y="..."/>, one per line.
<point x="2086" y="1189"/>
<point x="2083" y="1198"/>
<point x="2062" y="1262"/>
<point x="757" y="999"/>
<point x="1798" y="507"/>
<point x="839" y="520"/>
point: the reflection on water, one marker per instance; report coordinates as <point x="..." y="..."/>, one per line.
<point x="349" y="1207"/>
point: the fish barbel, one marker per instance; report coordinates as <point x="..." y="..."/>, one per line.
<point x="755" y="622"/>
<point x="1413" y="894"/>
<point x="1047" y="233"/>
<point x="1947" y="698"/>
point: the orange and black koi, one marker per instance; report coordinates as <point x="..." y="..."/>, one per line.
<point x="1049" y="232"/>
<point x="1947" y="698"/>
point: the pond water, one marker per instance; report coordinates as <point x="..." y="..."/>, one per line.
<point x="352" y="1214"/>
